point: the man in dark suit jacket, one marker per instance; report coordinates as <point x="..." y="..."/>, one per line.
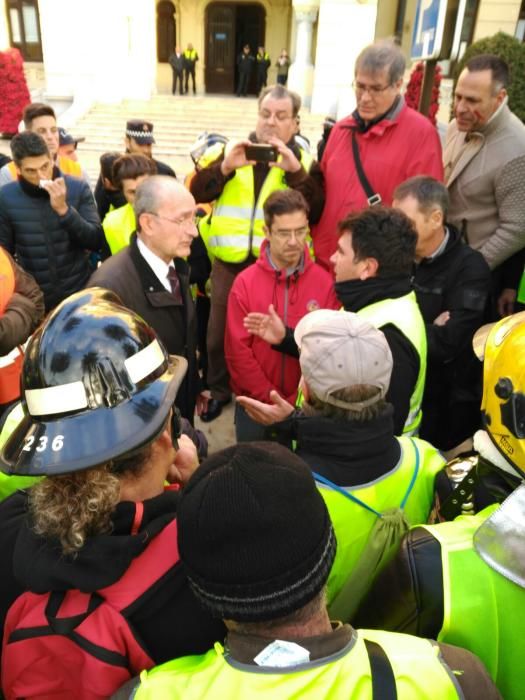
<point x="152" y="277"/>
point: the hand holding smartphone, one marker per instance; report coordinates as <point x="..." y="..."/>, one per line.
<point x="261" y="152"/>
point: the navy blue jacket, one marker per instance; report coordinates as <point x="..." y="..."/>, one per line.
<point x="52" y="248"/>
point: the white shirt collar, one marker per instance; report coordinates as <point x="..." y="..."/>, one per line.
<point x="159" y="267"/>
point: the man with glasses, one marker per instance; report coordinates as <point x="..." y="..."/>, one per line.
<point x="233" y="232"/>
<point x="151" y="276"/>
<point x="285" y="276"/>
<point x="381" y="144"/>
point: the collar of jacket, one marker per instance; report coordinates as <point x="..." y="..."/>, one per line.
<point x="150" y="281"/>
<point x="266" y="263"/>
<point x="347" y="452"/>
<point x="379" y="125"/>
<point x="498" y="119"/>
<point x="35" y="190"/>
<point x="356" y="294"/>
<point x="454" y="240"/>
<point x="40" y="566"/>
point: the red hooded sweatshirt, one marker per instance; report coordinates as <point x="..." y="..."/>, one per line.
<point x="255" y="367"/>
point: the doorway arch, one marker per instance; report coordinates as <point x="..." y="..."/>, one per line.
<point x="229" y="26"/>
<point x="166" y="30"/>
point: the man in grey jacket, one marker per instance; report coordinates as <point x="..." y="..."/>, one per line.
<point x="484" y="160"/>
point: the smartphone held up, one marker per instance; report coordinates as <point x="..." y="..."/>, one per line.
<point x="261" y="152"/>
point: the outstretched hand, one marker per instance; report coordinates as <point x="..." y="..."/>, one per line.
<point x="268" y="326"/>
<point x="265" y="413"/>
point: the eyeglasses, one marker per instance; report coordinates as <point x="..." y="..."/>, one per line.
<point x="373" y="90"/>
<point x="286" y="234"/>
<point x="278" y="116"/>
<point x="182" y="221"/>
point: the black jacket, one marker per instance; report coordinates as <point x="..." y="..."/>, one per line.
<point x="349" y="453"/>
<point x="170" y="621"/>
<point x="50" y="247"/>
<point x="130" y="276"/>
<point x="459" y="281"/>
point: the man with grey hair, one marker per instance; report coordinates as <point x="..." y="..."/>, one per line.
<point x="381" y="144"/>
<point x="151" y="275"/>
<point x="452" y="285"/>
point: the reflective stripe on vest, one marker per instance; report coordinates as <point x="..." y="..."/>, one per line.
<point x="9" y="484"/>
<point x="234" y="229"/>
<point x="353" y="523"/>
<point x="418" y="669"/>
<point x="118" y="226"/>
<point x="482" y="608"/>
<point x="404" y="314"/>
<point x="65" y="165"/>
<point x="521" y="290"/>
<point x="7" y="280"/>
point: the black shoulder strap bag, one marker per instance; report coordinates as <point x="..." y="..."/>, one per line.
<point x="373" y="198"/>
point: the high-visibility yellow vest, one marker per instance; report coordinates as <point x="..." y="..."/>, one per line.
<point x="482" y="610"/>
<point x="190" y="55"/>
<point x="118" y="226"/>
<point x="234" y="229"/>
<point x="418" y="669"/>
<point x="404" y="314"/>
<point x="65" y="165"/>
<point x="9" y="484"/>
<point x="521" y="290"/>
<point x="353" y="522"/>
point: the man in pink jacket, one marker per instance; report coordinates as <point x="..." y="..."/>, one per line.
<point x="285" y="276"/>
<point x="393" y="143"/>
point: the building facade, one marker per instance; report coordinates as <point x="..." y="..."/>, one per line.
<point x="109" y="50"/>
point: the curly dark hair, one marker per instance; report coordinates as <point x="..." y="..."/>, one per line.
<point x="385" y="234"/>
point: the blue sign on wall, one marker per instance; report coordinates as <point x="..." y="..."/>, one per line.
<point x="427" y="36"/>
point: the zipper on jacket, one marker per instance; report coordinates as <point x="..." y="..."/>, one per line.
<point x="285" y="320"/>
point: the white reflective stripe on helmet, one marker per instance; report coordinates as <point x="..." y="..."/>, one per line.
<point x="56" y="399"/>
<point x="144" y="362"/>
<point x="72" y="396"/>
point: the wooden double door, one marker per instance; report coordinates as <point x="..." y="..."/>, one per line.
<point x="229" y="27"/>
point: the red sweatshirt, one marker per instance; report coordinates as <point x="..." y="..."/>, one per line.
<point x="255" y="367"/>
<point x="391" y="151"/>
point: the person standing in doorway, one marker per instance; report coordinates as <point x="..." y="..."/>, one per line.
<point x="190" y="59"/>
<point x="245" y="62"/>
<point x="177" y="63"/>
<point x="263" y="62"/>
<point x="283" y="64"/>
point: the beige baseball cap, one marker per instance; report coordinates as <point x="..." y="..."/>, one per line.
<point x="339" y="350"/>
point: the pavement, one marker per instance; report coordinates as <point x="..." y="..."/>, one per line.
<point x="220" y="432"/>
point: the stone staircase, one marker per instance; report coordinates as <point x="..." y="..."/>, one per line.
<point x="178" y="120"/>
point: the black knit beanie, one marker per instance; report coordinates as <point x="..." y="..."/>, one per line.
<point x="254" y="533"/>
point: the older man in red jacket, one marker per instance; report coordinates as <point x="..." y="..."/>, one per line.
<point x="285" y="276"/>
<point x="388" y="141"/>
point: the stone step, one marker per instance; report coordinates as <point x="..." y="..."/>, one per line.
<point x="178" y="122"/>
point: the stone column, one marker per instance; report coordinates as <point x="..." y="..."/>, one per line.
<point x="301" y="75"/>
<point x="345" y="27"/>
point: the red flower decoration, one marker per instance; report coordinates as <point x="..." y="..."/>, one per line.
<point x="14" y="94"/>
<point x="413" y="90"/>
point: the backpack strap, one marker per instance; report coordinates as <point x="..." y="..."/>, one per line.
<point x="383" y="679"/>
<point x="355" y="499"/>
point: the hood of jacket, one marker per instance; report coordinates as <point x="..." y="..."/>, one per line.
<point x="40" y="566"/>
<point x="349" y="453"/>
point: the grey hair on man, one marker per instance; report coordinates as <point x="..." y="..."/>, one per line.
<point x="429" y="193"/>
<point x="380" y="55"/>
<point x="152" y="192"/>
